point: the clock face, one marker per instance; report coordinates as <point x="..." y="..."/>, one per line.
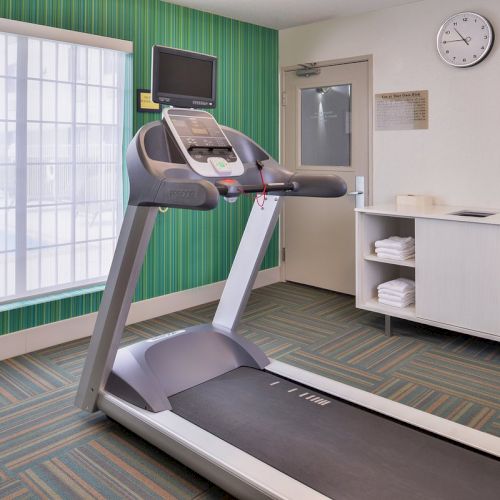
<point x="465" y="39"/>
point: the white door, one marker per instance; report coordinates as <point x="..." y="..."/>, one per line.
<point x="325" y="130"/>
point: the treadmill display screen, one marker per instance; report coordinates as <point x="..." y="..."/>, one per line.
<point x="199" y="131"/>
<point x="196" y="127"/>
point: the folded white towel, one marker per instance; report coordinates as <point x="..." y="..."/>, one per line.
<point x="396" y="303"/>
<point x="398" y="285"/>
<point x="410" y="248"/>
<point x="390" y="295"/>
<point x="396" y="242"/>
<point x="393" y="251"/>
<point x="384" y="255"/>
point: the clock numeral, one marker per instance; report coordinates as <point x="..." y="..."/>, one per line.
<point x="465" y="19"/>
<point x="474" y="56"/>
<point x="485" y="37"/>
<point x="447" y="51"/>
<point x="464" y="59"/>
<point x="483" y="27"/>
<point x="482" y="48"/>
<point x="455" y="24"/>
<point x="448" y="32"/>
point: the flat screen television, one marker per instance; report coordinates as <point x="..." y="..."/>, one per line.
<point x="183" y="79"/>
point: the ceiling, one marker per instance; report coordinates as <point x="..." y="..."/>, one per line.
<point x="280" y="14"/>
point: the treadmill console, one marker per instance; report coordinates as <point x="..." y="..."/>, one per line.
<point x="203" y="143"/>
<point x="187" y="160"/>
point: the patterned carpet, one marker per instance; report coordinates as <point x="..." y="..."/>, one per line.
<point x="49" y="449"/>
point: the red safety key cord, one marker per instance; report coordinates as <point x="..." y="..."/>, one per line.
<point x="261" y="198"/>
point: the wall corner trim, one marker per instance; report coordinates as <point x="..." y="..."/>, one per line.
<point x="59" y="332"/>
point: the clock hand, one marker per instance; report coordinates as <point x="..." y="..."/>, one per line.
<point x="462" y="36"/>
<point x="459" y="40"/>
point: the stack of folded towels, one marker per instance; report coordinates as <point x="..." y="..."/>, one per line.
<point x="396" y="248"/>
<point x="397" y="293"/>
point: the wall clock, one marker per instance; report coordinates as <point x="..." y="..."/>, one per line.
<point x="465" y="39"/>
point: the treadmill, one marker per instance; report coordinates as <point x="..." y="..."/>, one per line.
<point x="210" y="398"/>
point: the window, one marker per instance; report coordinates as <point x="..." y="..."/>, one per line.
<point x="61" y="128"/>
<point x="326" y="126"/>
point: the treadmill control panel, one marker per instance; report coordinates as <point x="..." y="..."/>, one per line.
<point x="203" y="143"/>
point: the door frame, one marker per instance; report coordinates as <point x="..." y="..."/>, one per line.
<point x="324" y="64"/>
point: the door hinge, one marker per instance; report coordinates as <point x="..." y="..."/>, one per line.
<point x="283" y="254"/>
<point x="283" y="98"/>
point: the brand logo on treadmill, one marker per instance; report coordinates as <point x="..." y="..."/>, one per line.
<point x="181" y="194"/>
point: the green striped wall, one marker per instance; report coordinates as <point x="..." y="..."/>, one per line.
<point x="187" y="249"/>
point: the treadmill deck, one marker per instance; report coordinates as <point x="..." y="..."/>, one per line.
<point x="336" y="448"/>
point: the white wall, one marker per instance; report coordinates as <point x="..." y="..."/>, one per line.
<point x="458" y="158"/>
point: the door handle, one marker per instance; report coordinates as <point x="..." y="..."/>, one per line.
<point x="359" y="192"/>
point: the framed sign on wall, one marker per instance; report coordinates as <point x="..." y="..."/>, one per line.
<point x="144" y="102"/>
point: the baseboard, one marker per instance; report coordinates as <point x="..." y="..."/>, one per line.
<point x="52" y="334"/>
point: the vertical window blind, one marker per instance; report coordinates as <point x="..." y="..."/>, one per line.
<point x="61" y="189"/>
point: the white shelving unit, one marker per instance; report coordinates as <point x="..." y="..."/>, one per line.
<point x="371" y="270"/>
<point x="405" y="263"/>
<point x="456" y="267"/>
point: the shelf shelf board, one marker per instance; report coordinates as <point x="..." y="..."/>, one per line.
<point x="398" y="312"/>
<point x="405" y="263"/>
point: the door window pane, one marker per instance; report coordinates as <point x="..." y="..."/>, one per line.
<point x="326" y="126"/>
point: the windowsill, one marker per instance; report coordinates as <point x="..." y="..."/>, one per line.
<point x="51" y="297"/>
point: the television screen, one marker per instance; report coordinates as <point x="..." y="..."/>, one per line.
<point x="183" y="79"/>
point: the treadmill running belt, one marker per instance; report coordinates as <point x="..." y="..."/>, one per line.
<point x="336" y="448"/>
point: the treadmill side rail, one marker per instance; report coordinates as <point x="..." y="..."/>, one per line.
<point x="132" y="244"/>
